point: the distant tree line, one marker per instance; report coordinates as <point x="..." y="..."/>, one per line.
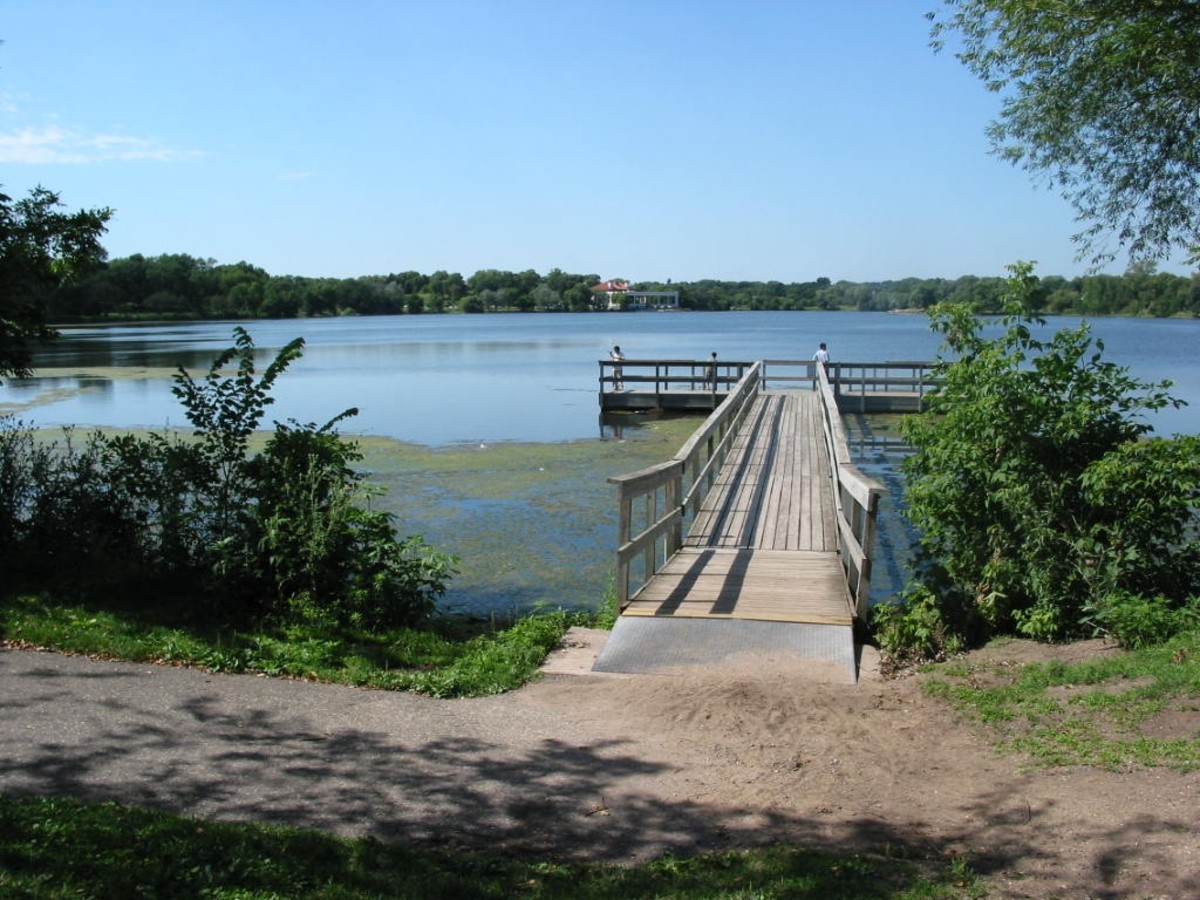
<point x="186" y="287"/>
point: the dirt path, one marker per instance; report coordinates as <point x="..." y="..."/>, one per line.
<point x="615" y="768"/>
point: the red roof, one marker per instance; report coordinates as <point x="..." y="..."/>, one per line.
<point x="615" y="285"/>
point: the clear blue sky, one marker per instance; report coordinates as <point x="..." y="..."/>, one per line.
<point x="644" y="139"/>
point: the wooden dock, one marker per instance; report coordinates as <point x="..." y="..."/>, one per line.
<point x="764" y="542"/>
<point x="760" y="522"/>
<point x="695" y="385"/>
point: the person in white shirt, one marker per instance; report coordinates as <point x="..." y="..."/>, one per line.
<point x="617" y="355"/>
<point x="822" y="356"/>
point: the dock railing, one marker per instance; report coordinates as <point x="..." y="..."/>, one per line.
<point x="856" y="498"/>
<point x="688" y="384"/>
<point x="789" y="374"/>
<point x="657" y="502"/>
<point x="662" y="376"/>
<point x="855" y="383"/>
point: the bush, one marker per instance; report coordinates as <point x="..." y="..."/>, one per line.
<point x="1137" y="621"/>
<point x="1033" y="488"/>
<point x="61" y="516"/>
<point x="285" y="534"/>
<point x="914" y="630"/>
<point x="319" y="552"/>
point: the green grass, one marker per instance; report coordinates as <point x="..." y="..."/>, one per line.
<point x="59" y="848"/>
<point x="451" y="658"/>
<point x="1130" y="709"/>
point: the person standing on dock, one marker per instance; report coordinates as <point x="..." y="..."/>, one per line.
<point x="711" y="378"/>
<point x="822" y="356"/>
<point x="617" y="356"/>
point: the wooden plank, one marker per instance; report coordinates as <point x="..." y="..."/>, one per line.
<point x="749" y="584"/>
<point x="767" y="492"/>
<point x="705" y="604"/>
<point x="704" y="599"/>
<point x="795" y="522"/>
<point x="773" y="531"/>
<point x="783" y="484"/>
<point x="763" y="543"/>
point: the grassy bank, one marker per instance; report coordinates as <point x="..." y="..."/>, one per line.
<point x="1113" y="710"/>
<point x="449" y="658"/>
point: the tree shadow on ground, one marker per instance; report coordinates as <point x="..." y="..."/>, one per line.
<point x="364" y="763"/>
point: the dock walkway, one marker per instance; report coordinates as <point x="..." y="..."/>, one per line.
<point x="751" y="544"/>
<point x="764" y="542"/>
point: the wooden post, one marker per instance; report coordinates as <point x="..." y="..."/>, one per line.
<point x="623" y="533"/>
<point x="673" y="491"/>
<point x="648" y="554"/>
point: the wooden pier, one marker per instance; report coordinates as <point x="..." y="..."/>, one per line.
<point x="685" y="384"/>
<point x="760" y="518"/>
<point x="763" y="542"/>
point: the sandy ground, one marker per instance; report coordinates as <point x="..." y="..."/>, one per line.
<point x="604" y="767"/>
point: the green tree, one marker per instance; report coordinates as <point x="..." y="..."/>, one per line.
<point x="579" y="297"/>
<point x="41" y="250"/>
<point x="545" y="297"/>
<point x="411" y="282"/>
<point x="282" y="297"/>
<point x="1100" y="99"/>
<point x="446" y="289"/>
<point x="239" y="290"/>
<point x="1036" y="495"/>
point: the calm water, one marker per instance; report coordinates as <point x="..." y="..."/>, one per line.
<point x="441" y="380"/>
<point x="478" y="381"/>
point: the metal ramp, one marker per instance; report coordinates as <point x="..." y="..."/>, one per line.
<point x="677" y="646"/>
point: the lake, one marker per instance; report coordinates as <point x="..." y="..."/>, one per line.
<point x="504" y="455"/>
<point x="441" y="380"/>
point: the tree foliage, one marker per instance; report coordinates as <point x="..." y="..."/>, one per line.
<point x="1039" y="500"/>
<point x="178" y="286"/>
<point x="1099" y="97"/>
<point x="41" y="250"/>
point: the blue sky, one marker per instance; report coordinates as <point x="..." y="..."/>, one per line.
<point x="652" y="140"/>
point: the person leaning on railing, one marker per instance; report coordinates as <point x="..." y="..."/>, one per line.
<point x="822" y="356"/>
<point x="618" y="357"/>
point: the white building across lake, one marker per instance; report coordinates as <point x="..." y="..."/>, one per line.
<point x="618" y="294"/>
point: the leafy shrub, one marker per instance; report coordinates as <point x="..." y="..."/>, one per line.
<point x="1138" y="621"/>
<point x="60" y="514"/>
<point x="328" y="558"/>
<point x="285" y="534"/>
<point x="1032" y="487"/>
<point x="23" y="467"/>
<point x="914" y="630"/>
<point x="160" y="479"/>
